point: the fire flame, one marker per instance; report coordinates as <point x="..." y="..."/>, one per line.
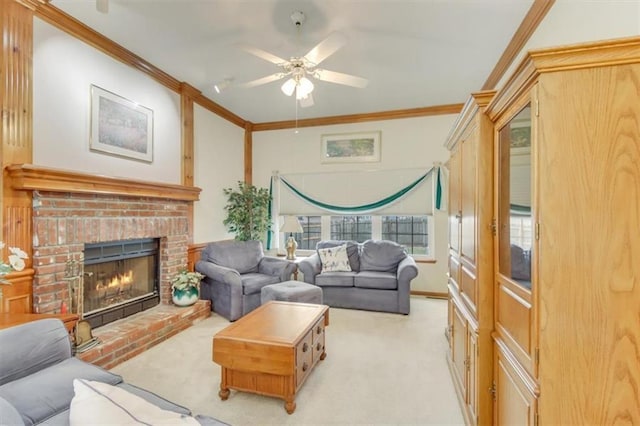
<point x="117" y="281"/>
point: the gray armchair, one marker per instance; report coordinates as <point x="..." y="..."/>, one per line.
<point x="235" y="272"/>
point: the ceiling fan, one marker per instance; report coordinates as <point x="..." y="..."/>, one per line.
<point x="299" y="68"/>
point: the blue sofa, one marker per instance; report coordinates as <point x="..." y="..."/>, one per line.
<point x="379" y="280"/>
<point x="37" y="374"/>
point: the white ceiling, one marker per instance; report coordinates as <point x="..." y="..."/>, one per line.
<point x="415" y="53"/>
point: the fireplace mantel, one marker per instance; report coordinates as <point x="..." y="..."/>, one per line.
<point x="29" y="177"/>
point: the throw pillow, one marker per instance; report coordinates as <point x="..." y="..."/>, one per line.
<point x="334" y="259"/>
<point x="97" y="403"/>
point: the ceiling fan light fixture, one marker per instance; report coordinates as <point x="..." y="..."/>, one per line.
<point x="305" y="87"/>
<point x="288" y="87"/>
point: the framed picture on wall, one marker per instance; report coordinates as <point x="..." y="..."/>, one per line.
<point x="351" y="148"/>
<point x="120" y="127"/>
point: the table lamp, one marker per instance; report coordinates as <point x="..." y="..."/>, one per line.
<point x="291" y="225"/>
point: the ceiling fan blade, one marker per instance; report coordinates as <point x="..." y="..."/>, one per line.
<point x="340" y="78"/>
<point x="306" y="102"/>
<point x="263" y="54"/>
<point x="102" y="6"/>
<point x="326" y="48"/>
<point x="263" y="80"/>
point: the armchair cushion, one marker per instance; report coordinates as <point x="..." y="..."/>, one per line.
<point x="243" y="256"/>
<point x="381" y="256"/>
<point x="252" y="283"/>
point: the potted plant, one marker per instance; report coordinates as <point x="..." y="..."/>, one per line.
<point x="247" y="211"/>
<point x="185" y="287"/>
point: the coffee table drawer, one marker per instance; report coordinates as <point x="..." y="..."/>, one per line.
<point x="304" y="357"/>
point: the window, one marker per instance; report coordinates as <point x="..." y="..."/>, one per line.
<point x="311" y="232"/>
<point x="356" y="228"/>
<point x="410" y="231"/>
<point x="413" y="232"/>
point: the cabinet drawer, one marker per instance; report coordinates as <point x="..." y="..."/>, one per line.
<point x="304" y="357"/>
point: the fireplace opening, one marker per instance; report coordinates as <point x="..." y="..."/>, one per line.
<point x="120" y="279"/>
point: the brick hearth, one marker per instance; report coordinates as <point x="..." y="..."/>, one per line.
<point x="128" y="337"/>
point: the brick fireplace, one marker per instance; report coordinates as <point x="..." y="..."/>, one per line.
<point x="73" y="209"/>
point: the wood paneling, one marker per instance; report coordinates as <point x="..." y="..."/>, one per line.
<point x="248" y="152"/>
<point x="16" y="70"/>
<point x="32" y="178"/>
<point x="194" y="253"/>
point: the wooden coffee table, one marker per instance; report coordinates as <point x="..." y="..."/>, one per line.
<point x="271" y="350"/>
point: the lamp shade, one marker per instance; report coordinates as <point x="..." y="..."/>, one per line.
<point x="288" y="87"/>
<point x="291" y="225"/>
<point x="305" y="87"/>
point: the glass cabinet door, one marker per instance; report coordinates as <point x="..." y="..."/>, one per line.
<point x="515" y="233"/>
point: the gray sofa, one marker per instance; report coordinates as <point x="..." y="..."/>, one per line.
<point x="235" y="272"/>
<point x="37" y="371"/>
<point x="380" y="277"/>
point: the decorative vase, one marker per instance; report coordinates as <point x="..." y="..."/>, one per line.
<point x="186" y="297"/>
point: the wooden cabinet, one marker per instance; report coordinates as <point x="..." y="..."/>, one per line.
<point x="471" y="259"/>
<point x="567" y="338"/>
<point x="16" y="298"/>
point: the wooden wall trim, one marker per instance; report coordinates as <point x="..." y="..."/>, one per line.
<point x="27" y="177"/>
<point x="208" y="104"/>
<point x="431" y="294"/>
<point x="248" y="152"/>
<point x="529" y="24"/>
<point x="360" y="118"/>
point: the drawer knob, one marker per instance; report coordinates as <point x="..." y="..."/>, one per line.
<point x="318" y="346"/>
<point x="305" y="347"/>
<point x="305" y="367"/>
<point x="318" y="330"/>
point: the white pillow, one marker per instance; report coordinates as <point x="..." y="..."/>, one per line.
<point x="334" y="259"/>
<point x="97" y="403"/>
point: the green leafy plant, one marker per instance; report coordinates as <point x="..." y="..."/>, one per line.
<point x="185" y="279"/>
<point x="247" y="211"/>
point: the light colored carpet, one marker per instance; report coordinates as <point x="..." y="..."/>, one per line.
<point x="380" y="369"/>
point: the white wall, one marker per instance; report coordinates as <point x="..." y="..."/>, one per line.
<point x="578" y="21"/>
<point x="405" y="144"/>
<point x="218" y="164"/>
<point x="64" y="69"/>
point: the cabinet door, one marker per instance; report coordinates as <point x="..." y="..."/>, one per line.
<point x="459" y="350"/>
<point x="455" y="210"/>
<point x="515" y="309"/>
<point x="472" y="385"/>
<point x="515" y="402"/>
<point x="16" y="298"/>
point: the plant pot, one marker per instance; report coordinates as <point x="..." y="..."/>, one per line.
<point x="186" y="297"/>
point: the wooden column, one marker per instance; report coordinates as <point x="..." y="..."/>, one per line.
<point x="187" y="94"/>
<point x="16" y="77"/>
<point x="248" y="152"/>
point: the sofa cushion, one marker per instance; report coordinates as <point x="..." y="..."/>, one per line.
<point x="377" y="280"/>
<point x="353" y="251"/>
<point x="334" y="259"/>
<point x="243" y="256"/>
<point x="381" y="255"/>
<point x="99" y="403"/>
<point x="335" y="279"/>
<point x="253" y="283"/>
<point x="46" y="392"/>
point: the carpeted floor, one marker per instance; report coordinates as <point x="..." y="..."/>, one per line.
<point x="380" y="369"/>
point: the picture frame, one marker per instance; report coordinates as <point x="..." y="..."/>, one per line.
<point x="120" y="126"/>
<point x="361" y="147"/>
